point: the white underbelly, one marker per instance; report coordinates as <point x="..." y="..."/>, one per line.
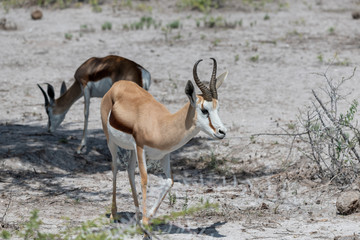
<point x="99" y="88"/>
<point x="127" y="141"/>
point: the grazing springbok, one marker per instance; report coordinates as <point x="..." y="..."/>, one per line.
<point x="92" y="79"/>
<point x="132" y="119"/>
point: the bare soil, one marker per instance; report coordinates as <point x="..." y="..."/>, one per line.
<point x="262" y="191"/>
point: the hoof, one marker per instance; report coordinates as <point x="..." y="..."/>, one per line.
<point x="147" y="237"/>
<point x="81" y="149"/>
<point x="114" y="219"/>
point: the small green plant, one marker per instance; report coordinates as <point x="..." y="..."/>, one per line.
<point x="212" y="22"/>
<point x="31" y="228"/>
<point x="63" y="140"/>
<point x="331" y="30"/>
<point x="145" y="21"/>
<point x="172" y="199"/>
<point x="266" y="17"/>
<point x="174" y="25"/>
<point x="68" y="36"/>
<point x="291" y="126"/>
<point x="186" y="203"/>
<point x="216" y="42"/>
<point x="106" y="26"/>
<point x="189" y="211"/>
<point x="320" y="58"/>
<point x="254" y="58"/>
<point x="237" y="58"/>
<point x="346" y="119"/>
<point x="142" y="7"/>
<point x="200" y="5"/>
<point x="5" y="234"/>
<point x="95" y="6"/>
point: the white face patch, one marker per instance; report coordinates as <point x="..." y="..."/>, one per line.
<point x="209" y="121"/>
<point x="54" y="119"/>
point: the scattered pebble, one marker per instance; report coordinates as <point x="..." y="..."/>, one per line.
<point x="355" y="15"/>
<point x="348" y="202"/>
<point x="36" y="15"/>
<point x="7" y="25"/>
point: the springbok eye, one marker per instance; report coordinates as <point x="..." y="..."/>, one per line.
<point x="204" y="111"/>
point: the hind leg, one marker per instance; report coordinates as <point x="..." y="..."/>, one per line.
<point x="113" y="150"/>
<point x="131" y="173"/>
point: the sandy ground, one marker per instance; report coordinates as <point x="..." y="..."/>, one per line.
<point x="261" y="191"/>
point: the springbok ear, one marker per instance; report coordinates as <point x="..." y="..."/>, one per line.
<point x="220" y="79"/>
<point x="51" y="93"/>
<point x="63" y="88"/>
<point x="190" y="92"/>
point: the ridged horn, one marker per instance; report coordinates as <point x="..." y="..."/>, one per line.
<point x="45" y="96"/>
<point x="213" y="80"/>
<point x="205" y="91"/>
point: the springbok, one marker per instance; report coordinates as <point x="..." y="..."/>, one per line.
<point x="92" y="79"/>
<point x="132" y="119"/>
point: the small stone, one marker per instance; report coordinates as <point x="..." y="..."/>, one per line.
<point x="264" y="206"/>
<point x="36" y="15"/>
<point x="7" y="25"/>
<point x="348" y="202"/>
<point x="355" y="15"/>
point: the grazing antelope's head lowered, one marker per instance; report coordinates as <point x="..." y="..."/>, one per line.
<point x="207" y="104"/>
<point x="54" y="118"/>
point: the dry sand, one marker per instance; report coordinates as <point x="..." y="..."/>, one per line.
<point x="262" y="193"/>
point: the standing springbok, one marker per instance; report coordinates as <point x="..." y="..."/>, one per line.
<point x="92" y="79"/>
<point x="132" y="119"/>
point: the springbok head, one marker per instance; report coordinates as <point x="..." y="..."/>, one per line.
<point x="54" y="119"/>
<point x="207" y="104"/>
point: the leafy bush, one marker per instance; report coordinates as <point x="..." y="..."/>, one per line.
<point x="332" y="136"/>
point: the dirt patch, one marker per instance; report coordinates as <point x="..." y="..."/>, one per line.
<point x="262" y="190"/>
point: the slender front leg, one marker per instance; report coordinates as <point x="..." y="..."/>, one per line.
<point x="86" y="118"/>
<point x="169" y="182"/>
<point x="144" y="180"/>
<point x="114" y="167"/>
<point x="131" y="173"/>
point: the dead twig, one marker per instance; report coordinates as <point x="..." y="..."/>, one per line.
<point x="7" y="209"/>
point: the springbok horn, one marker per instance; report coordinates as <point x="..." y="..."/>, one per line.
<point x="205" y="91"/>
<point x="213" y="80"/>
<point x="45" y="96"/>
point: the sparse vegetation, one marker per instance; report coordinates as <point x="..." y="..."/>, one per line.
<point x="68" y="36"/>
<point x="106" y="26"/>
<point x="264" y="4"/>
<point x="100" y="228"/>
<point x="172" y="199"/>
<point x="332" y="136"/>
<point x="209" y="21"/>
<point x="7" y="4"/>
<point x="216" y="42"/>
<point x="331" y="30"/>
<point x="254" y="58"/>
<point x="145" y="21"/>
<point x="320" y="58"/>
<point x="200" y="5"/>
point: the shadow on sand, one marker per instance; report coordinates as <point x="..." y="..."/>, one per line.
<point x="128" y="218"/>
